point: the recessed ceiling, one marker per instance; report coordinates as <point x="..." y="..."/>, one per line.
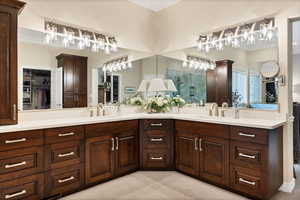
<point x="155" y="5"/>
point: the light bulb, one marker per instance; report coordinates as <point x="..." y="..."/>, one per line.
<point x="207" y="48"/>
<point x="107" y="49"/>
<point x="184" y="64"/>
<point x="129" y="64"/>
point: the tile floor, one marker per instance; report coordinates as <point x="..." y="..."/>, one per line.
<point x="149" y="185"/>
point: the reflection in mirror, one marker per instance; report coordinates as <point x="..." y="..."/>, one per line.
<point x="248" y="85"/>
<point x="52" y="76"/>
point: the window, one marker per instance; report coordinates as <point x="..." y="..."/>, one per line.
<point x="191" y="85"/>
<point x="255" y="81"/>
<point x="239" y="84"/>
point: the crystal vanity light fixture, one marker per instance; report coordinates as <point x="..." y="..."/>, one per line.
<point x="78" y="38"/>
<point x="118" y="64"/>
<point x="198" y="63"/>
<point x="236" y="37"/>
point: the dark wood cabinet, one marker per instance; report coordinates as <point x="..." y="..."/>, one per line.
<point x="113" y="152"/>
<point x="9" y="10"/>
<point x="99" y="159"/>
<point x="200" y="155"/>
<point x="186" y="153"/>
<point x="214" y="160"/>
<point x="74" y="80"/>
<point x="157" y="144"/>
<point x="219" y="83"/>
<point x="126" y="152"/>
<point x="26" y="188"/>
<point x="55" y="162"/>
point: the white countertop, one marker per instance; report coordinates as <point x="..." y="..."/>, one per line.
<point x="53" y="123"/>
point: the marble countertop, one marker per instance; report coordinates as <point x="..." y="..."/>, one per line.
<point x="53" y="123"/>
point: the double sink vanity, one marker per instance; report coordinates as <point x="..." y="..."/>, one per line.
<point x="48" y="159"/>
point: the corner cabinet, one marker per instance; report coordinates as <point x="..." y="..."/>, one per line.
<point x="9" y="10"/>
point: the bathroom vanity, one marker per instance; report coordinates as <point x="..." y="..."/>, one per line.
<point x="56" y="159"/>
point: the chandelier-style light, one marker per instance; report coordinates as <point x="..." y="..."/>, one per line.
<point x="82" y="39"/>
<point x="238" y="36"/>
<point x="198" y="63"/>
<point x="118" y="64"/>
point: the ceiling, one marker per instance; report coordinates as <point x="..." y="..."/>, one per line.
<point x="155" y="5"/>
<point x="296" y="37"/>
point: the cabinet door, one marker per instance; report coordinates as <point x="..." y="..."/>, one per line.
<point x="68" y="71"/>
<point x="80" y="75"/>
<point x="126" y="152"/>
<point x="8" y="64"/>
<point x="214" y="160"/>
<point x="99" y="159"/>
<point x="187" y="153"/>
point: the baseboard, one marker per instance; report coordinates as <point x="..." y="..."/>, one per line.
<point x="288" y="187"/>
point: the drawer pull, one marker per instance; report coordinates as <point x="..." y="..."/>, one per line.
<point x="247" y="135"/>
<point x="112" y="144"/>
<point x="246" y="156"/>
<point x="8" y="196"/>
<point x="159" y="124"/>
<point x="156" y="139"/>
<point x="117" y="143"/>
<point x="15" y="165"/>
<point x="65" y="180"/>
<point x="247" y="182"/>
<point x="66" y="134"/>
<point x="66" y="154"/>
<point x="15" y="141"/>
<point x="200" y="144"/>
<point x="195" y="143"/>
<point x="156" y="158"/>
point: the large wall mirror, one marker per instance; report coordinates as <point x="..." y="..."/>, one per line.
<point x="49" y="77"/>
<point x="253" y="71"/>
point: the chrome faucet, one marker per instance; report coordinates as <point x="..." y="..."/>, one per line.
<point x="99" y="109"/>
<point x="236" y="113"/>
<point x="214" y="110"/>
<point x="118" y="107"/>
<point x="224" y="107"/>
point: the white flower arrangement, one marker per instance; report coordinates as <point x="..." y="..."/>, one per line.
<point x="177" y="101"/>
<point x="136" y="100"/>
<point x="157" y="104"/>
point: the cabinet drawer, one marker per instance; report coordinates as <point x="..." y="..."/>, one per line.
<point x="156" y="139"/>
<point x="248" y="155"/>
<point x="22" y="139"/>
<point x="250" y="182"/>
<point x="64" y="134"/>
<point x="109" y="128"/>
<point x="64" y="154"/>
<point x="203" y="129"/>
<point x="21" y="162"/>
<point x="64" y="180"/>
<point x="156" y="159"/>
<point x="27" y="188"/>
<point x="247" y="134"/>
<point x="156" y="124"/>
